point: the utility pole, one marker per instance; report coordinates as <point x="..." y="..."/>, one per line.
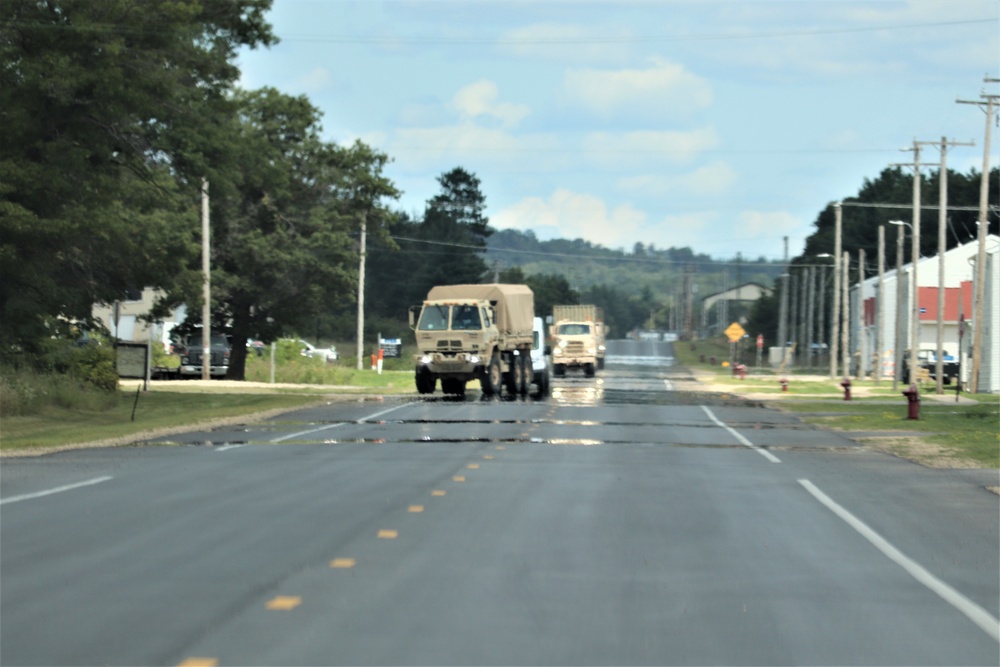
<point x="783" y="307"/>
<point x="880" y="306"/>
<point x="803" y="336"/>
<point x="361" y="288"/>
<point x="821" y="306"/>
<point x="793" y="333"/>
<point x="206" y="290"/>
<point x="915" y="296"/>
<point x="989" y="102"/>
<point x="897" y="350"/>
<point x="835" y="320"/>
<point x="942" y="249"/>
<point x="810" y="311"/>
<point x="862" y="320"/>
<point x="844" y="339"/>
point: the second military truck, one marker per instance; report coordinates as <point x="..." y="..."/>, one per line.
<point x="474" y="332"/>
<point x="578" y="336"/>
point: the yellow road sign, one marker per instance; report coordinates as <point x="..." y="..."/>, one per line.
<point x="734" y="332"/>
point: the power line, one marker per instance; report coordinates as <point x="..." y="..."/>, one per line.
<point x="387" y="40"/>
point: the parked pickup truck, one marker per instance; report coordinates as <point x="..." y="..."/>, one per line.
<point x="191" y="358"/>
<point x="927" y="367"/>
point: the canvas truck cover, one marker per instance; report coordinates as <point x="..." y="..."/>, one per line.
<point x="577" y="313"/>
<point x="515" y="303"/>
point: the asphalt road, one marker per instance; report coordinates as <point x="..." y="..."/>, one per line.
<point x="621" y="520"/>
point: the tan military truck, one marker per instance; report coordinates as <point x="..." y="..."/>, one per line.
<point x="474" y="332"/>
<point x="578" y="334"/>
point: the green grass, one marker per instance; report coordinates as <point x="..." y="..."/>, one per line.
<point x="55" y="426"/>
<point x="970" y="432"/>
<point x="967" y="431"/>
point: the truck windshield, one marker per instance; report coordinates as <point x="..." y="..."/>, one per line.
<point x="465" y="318"/>
<point x="574" y="329"/>
<point x="434" y="318"/>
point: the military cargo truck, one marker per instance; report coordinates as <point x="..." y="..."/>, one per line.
<point x="474" y="332"/>
<point x="578" y="335"/>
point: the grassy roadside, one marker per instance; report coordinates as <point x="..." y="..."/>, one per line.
<point x="156" y="412"/>
<point x="948" y="434"/>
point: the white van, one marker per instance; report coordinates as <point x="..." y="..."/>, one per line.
<point x="541" y="358"/>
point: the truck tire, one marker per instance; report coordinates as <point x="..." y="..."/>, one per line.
<point x="600" y="364"/>
<point x="453" y="386"/>
<point x="543" y="383"/>
<point x="510" y="378"/>
<point x="559" y="370"/>
<point x="493" y="379"/>
<point x="524" y="372"/>
<point x="425" y="381"/>
<point x="588" y="370"/>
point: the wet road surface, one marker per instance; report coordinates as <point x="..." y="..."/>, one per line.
<point x="620" y="520"/>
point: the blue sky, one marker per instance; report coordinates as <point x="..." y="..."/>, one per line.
<point x="717" y="125"/>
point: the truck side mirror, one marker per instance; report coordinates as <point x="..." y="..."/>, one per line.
<point x="413" y="316"/>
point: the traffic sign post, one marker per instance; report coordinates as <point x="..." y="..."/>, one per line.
<point x="734" y="332"/>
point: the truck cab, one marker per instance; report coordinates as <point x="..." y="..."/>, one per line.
<point x="575" y="346"/>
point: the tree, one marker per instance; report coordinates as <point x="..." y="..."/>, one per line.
<point x="108" y="109"/>
<point x="284" y="245"/>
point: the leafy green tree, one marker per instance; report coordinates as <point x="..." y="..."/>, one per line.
<point x="551" y="290"/>
<point x="109" y="110"/>
<point x="284" y="245"/>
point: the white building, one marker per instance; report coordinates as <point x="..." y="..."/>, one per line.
<point x="871" y="344"/>
<point x="127" y="320"/>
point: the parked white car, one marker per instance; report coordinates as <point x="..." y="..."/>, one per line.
<point x="327" y="354"/>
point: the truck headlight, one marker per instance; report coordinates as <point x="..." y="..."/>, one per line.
<point x="474" y="359"/>
<point x="426" y="359"/>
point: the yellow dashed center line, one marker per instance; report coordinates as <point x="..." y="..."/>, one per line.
<point x="473" y="466"/>
<point x="199" y="662"/>
<point x="488" y="457"/>
<point x="458" y="478"/>
<point x="284" y="602"/>
<point x="388" y="534"/>
<point x="415" y="509"/>
<point x="342" y="563"/>
<point x="438" y="492"/>
<point x="500" y="448"/>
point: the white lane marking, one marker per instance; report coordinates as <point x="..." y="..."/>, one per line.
<point x="58" y="489"/>
<point x="974" y="612"/>
<point x="383" y="412"/>
<point x="743" y="441"/>
<point x="329" y="426"/>
<point x="669" y="385"/>
<point x="312" y="430"/>
<point x="223" y="448"/>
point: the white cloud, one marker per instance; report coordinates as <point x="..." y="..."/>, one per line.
<point x="481" y="99"/>
<point x="615" y="150"/>
<point x="571" y="215"/>
<point x="662" y="89"/>
<point x="711" y="179"/>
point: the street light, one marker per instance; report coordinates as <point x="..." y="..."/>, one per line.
<point x="899" y="306"/>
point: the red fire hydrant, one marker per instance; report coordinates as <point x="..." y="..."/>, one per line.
<point x="741" y="370"/>
<point x="846" y="384"/>
<point x="913" y="402"/>
<point x="784" y="384"/>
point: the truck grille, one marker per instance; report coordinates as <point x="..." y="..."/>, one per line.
<point x="449" y="345"/>
<point x="574" y="347"/>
